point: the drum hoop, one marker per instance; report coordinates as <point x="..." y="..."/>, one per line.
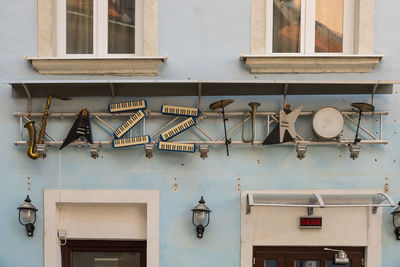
<point x="318" y="135"/>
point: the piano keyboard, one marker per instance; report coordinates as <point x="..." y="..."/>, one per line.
<point x="131" y="141"/>
<point x="180" y="111"/>
<point x="186" y="124"/>
<point x="135" y="118"/>
<point x="127" y="106"/>
<point x="170" y="146"/>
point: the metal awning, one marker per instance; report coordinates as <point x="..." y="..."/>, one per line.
<point x="158" y="87"/>
<point x="316" y="200"/>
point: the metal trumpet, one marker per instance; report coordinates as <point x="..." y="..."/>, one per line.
<point x="253" y="112"/>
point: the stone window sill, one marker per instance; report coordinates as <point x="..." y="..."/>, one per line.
<point x="310" y="64"/>
<point x="134" y="66"/>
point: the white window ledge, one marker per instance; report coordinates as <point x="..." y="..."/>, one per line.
<point x="310" y="64"/>
<point x="134" y="66"/>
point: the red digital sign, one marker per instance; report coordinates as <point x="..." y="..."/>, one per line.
<point x="311" y="222"/>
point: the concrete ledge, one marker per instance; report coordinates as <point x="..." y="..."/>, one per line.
<point x="135" y="66"/>
<point x="310" y="64"/>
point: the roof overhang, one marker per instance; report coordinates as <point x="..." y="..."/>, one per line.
<point x="143" y="88"/>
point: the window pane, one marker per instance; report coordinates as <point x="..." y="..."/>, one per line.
<point x="329" y="26"/>
<point x="105" y="259"/>
<point x="286" y="24"/>
<point x="121" y="26"/>
<point x="331" y="264"/>
<point x="270" y="263"/>
<point x="306" y="263"/>
<point x="79" y="26"/>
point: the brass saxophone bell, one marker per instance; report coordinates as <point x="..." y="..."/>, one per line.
<point x="32" y="144"/>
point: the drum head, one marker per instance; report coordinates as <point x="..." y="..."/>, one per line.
<point x="328" y="123"/>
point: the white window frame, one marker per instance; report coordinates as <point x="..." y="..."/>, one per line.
<point x="100" y="31"/>
<point x="307" y="28"/>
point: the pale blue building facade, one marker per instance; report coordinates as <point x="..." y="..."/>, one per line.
<point x="203" y="48"/>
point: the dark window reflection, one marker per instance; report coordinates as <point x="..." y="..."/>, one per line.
<point x="329" y="26"/>
<point x="270" y="263"/>
<point x="307" y="263"/>
<point x="331" y="264"/>
<point x="79" y="26"/>
<point x="105" y="259"/>
<point x="121" y="26"/>
<point x="286" y="26"/>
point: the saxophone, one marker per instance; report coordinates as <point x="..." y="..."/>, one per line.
<point x="30" y="126"/>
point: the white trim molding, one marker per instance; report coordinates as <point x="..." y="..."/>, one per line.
<point x="144" y="66"/>
<point x="279" y="226"/>
<point x="310" y="64"/>
<point x="53" y="199"/>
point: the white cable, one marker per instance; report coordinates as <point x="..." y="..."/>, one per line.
<point x="61" y="241"/>
<point x="59" y="172"/>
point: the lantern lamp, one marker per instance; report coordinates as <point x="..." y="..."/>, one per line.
<point x="396" y="221"/>
<point x="27" y="215"/>
<point x="201" y="217"/>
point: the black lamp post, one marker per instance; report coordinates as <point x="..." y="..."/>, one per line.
<point x="201" y="214"/>
<point x="396" y="221"/>
<point x="27" y="215"/>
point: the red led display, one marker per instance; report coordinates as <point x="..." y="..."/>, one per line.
<point x="310" y="222"/>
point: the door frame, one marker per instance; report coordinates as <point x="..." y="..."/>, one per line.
<point x="286" y="255"/>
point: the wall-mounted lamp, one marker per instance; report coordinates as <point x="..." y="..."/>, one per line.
<point x="27" y="215"/>
<point x="201" y="214"/>
<point x="396" y="221"/>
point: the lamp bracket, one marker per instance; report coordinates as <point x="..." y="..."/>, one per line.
<point x="94" y="150"/>
<point x="29" y="229"/>
<point x="200" y="231"/>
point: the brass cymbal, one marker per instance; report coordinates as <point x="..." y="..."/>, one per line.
<point x="363" y="106"/>
<point x="220" y="104"/>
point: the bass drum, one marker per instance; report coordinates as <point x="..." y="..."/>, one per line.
<point x="328" y="123"/>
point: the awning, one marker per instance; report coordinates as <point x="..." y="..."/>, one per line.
<point x="316" y="200"/>
<point x="144" y="88"/>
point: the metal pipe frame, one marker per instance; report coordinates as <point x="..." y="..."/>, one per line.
<point x="28" y="94"/>
<point x="259" y="142"/>
<point x="159" y="114"/>
<point x="270" y="117"/>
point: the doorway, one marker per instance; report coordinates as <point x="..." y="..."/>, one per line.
<point x="304" y="257"/>
<point x="103" y="253"/>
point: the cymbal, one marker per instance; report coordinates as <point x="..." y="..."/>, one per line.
<point x="220" y="104"/>
<point x="363" y="106"/>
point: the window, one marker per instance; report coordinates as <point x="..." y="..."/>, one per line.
<point x="310" y="26"/>
<point x="311" y="36"/>
<point x="99" y="28"/>
<point x="99" y="253"/>
<point x="98" y="37"/>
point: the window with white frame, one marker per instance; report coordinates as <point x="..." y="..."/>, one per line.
<point x="99" y="28"/>
<point x="310" y="26"/>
